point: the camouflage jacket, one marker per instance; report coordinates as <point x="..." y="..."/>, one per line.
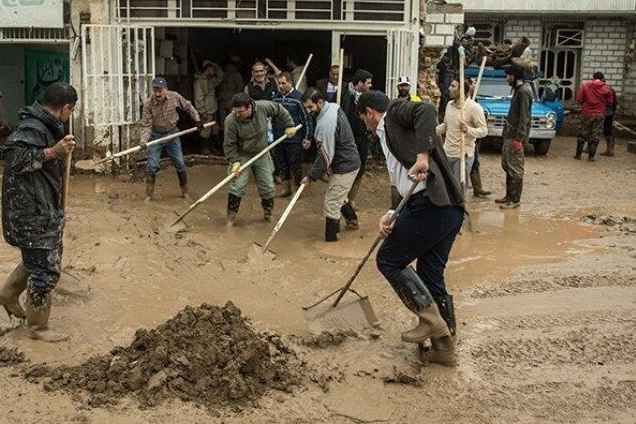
<point x="32" y="214"/>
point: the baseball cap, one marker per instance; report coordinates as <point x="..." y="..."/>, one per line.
<point x="159" y="82"/>
<point x="404" y="81"/>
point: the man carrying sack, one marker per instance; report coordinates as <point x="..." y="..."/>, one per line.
<point x="160" y="117"/>
<point x="245" y="136"/>
<point x="32" y="211"/>
<point x="337" y="157"/>
<point x="427" y="227"/>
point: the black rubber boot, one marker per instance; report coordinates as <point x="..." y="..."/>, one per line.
<point x="475" y="180"/>
<point x="332" y="226"/>
<point x="183" y="184"/>
<point x="268" y="208"/>
<point x="506" y="198"/>
<point x="10" y="293"/>
<point x="591" y="151"/>
<point x="609" y="150"/>
<point x="514" y="201"/>
<point x="579" y="149"/>
<point x="447" y="311"/>
<point x="150" y="187"/>
<point x="233" y="205"/>
<point x="350" y="216"/>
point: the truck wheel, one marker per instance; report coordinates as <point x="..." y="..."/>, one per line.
<point x="541" y="147"/>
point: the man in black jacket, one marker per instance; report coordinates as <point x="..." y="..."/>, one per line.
<point x="360" y="83"/>
<point x="32" y="213"/>
<point x="427" y="227"/>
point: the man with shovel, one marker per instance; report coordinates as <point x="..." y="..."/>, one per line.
<point x="32" y="206"/>
<point x="427" y="227"/>
<point x="245" y="136"/>
<point x="337" y="157"/>
<point x="160" y="117"/>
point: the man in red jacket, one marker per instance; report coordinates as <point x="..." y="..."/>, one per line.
<point x="594" y="97"/>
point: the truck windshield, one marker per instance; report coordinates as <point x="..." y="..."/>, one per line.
<point x="493" y="88"/>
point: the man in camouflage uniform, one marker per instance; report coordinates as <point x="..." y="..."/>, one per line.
<point x="515" y="134"/>
<point x="32" y="212"/>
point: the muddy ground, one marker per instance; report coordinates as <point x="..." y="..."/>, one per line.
<point x="545" y="297"/>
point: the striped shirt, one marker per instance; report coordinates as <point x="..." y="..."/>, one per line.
<point x="161" y="115"/>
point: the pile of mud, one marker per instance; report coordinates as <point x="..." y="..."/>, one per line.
<point x="10" y="356"/>
<point x="208" y="355"/>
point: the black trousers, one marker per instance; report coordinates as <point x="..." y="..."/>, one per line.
<point x="288" y="158"/>
<point x="423" y="232"/>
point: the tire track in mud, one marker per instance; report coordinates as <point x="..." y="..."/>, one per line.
<point x="553" y="349"/>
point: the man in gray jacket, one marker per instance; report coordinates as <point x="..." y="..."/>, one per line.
<point x="337" y="157"/>
<point x="245" y="136"/>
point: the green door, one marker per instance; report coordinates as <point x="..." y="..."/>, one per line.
<point x="42" y="68"/>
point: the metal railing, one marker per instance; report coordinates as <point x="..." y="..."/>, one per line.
<point x="30" y="35"/>
<point x="267" y="10"/>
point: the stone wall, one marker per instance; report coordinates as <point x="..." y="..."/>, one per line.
<point x="628" y="100"/>
<point x="604" y="51"/>
<point x="516" y="28"/>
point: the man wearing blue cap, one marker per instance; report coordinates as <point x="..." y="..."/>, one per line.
<point x="160" y="118"/>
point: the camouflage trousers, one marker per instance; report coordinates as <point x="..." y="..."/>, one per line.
<point x="512" y="161"/>
<point x="590" y="132"/>
<point x="44" y="267"/>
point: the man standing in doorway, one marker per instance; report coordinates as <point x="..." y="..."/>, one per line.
<point x="206" y="102"/>
<point x="361" y="83"/>
<point x="404" y="90"/>
<point x="516" y="133"/>
<point x="32" y="206"/>
<point x="245" y="136"/>
<point x="426" y="229"/>
<point x="159" y="120"/>
<point x="594" y="97"/>
<point x="329" y="86"/>
<point x="461" y="126"/>
<point x="337" y="157"/>
<point x="289" y="154"/>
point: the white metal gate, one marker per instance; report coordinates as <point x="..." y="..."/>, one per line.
<point x="402" y="59"/>
<point x="560" y="65"/>
<point x="118" y="66"/>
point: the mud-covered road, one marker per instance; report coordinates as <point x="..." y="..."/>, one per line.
<point x="545" y="298"/>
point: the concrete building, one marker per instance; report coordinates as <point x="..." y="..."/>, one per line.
<point x="571" y="39"/>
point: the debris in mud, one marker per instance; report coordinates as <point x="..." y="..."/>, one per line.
<point x="209" y="355"/>
<point x="403" y="377"/>
<point x="621" y="223"/>
<point x="325" y="339"/>
<point x="10" y="356"/>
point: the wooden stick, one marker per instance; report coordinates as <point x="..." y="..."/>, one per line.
<point x="284" y="216"/>
<point x="462" y="99"/>
<point x="230" y="177"/>
<point x="481" y="73"/>
<point x="302" y="74"/>
<point x="622" y="127"/>
<point x="340" y="71"/>
<point x="153" y="142"/>
<point x="67" y="177"/>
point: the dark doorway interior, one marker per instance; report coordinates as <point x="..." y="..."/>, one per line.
<point x="366" y="52"/>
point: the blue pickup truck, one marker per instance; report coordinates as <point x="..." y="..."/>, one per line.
<point x="494" y="97"/>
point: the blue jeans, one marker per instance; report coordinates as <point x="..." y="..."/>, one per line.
<point x="173" y="148"/>
<point x="422" y="232"/>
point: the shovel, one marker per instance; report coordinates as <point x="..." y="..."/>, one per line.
<point x="355" y="313"/>
<point x="262" y="251"/>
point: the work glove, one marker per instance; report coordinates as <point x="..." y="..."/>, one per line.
<point x="290" y="132"/>
<point x="236" y="167"/>
<point x="143" y="145"/>
<point x="517" y="145"/>
<point x="199" y="125"/>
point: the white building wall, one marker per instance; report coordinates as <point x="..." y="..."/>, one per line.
<point x="516" y="28"/>
<point x="628" y="103"/>
<point x="604" y="51"/>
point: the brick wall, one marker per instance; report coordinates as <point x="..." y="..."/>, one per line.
<point x="604" y="50"/>
<point x="628" y="100"/>
<point x="514" y="29"/>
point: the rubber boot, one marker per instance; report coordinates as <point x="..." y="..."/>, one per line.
<point x="287" y="189"/>
<point x="268" y="208"/>
<point x="515" y="194"/>
<point x="233" y="205"/>
<point x="609" y="150"/>
<point x="475" y="180"/>
<point x="442" y="352"/>
<point x="579" y="149"/>
<point x="183" y="184"/>
<point x="350" y="217"/>
<point x="447" y="311"/>
<point x="506" y="198"/>
<point x="10" y="293"/>
<point x="38" y="310"/>
<point x="431" y="325"/>
<point x="591" y="151"/>
<point x="150" y="188"/>
<point x="332" y="226"/>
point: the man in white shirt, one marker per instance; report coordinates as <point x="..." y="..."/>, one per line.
<point x="459" y="129"/>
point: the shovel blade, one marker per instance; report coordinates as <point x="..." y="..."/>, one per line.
<point x="257" y="254"/>
<point x="350" y="314"/>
